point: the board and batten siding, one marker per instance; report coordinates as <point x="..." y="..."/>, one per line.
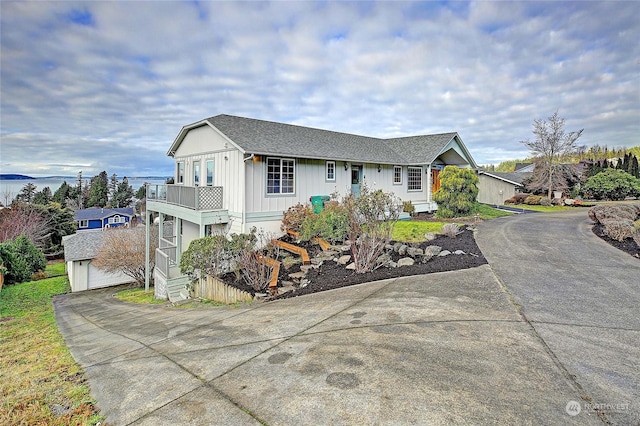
<point x="310" y="180"/>
<point x="203" y="144"/>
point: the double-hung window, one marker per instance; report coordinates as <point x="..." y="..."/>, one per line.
<point x="210" y="173"/>
<point x="414" y="178"/>
<point x="281" y="175"/>
<point x="83" y="223"/>
<point x="196" y="173"/>
<point x="180" y="172"/>
<point x="330" y="167"/>
<point x="397" y="175"/>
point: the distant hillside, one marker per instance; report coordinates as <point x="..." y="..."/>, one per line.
<point x="10" y="176"/>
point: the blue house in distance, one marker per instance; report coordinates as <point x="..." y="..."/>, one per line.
<point x="101" y="218"/>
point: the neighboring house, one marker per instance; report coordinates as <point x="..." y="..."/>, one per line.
<point x="101" y="218"/>
<point x="524" y="167"/>
<point x="235" y="173"/>
<point x="496" y="187"/>
<point x="79" y="251"/>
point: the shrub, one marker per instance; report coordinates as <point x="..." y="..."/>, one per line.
<point x="213" y="255"/>
<point x="612" y="184"/>
<point x="450" y="230"/>
<point x="372" y="216"/>
<point x="458" y="192"/>
<point x="618" y="229"/>
<point x="408" y="207"/>
<point x="330" y="224"/>
<point x="533" y="200"/>
<point x="636" y="237"/>
<point x="517" y="198"/>
<point x="255" y="271"/>
<point x="40" y="275"/>
<point x="544" y="201"/>
<point x="601" y="213"/>
<point x="294" y="216"/>
<point x="21" y="259"/>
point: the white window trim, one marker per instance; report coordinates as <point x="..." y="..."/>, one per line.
<point x="116" y="219"/>
<point x="280" y="193"/>
<point x="326" y="171"/>
<point x="84" y="223"/>
<point x="394" y="175"/>
<point x="408" y="180"/>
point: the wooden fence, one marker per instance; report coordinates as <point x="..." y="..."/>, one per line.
<point x="214" y="289"/>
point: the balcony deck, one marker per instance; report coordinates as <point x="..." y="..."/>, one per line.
<point x="190" y="197"/>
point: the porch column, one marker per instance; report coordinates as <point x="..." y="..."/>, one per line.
<point x="429" y="183"/>
<point x="178" y="227"/>
<point x="147" y="239"/>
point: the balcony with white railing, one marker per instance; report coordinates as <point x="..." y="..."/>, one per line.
<point x="191" y="197"/>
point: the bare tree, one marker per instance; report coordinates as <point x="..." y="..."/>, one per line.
<point x="123" y="250"/>
<point x="25" y="219"/>
<point x="550" y="143"/>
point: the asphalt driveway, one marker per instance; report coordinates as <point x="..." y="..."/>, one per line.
<point x="435" y="349"/>
<point x="582" y="296"/>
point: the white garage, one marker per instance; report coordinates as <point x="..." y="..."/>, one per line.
<point x="79" y="250"/>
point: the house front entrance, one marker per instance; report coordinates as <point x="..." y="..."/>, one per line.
<point x="356" y="180"/>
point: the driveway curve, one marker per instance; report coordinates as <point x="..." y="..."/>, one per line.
<point x="582" y="297"/>
<point x="437" y="349"/>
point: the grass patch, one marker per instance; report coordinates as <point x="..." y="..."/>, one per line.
<point x="56" y="269"/>
<point x="409" y="231"/>
<point x="203" y="304"/>
<point x="40" y="382"/>
<point x="138" y="295"/>
<point x="545" y="209"/>
<point x="488" y="212"/>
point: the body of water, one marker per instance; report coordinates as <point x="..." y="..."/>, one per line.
<point x="13" y="187"/>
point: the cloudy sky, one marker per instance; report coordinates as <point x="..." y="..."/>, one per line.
<point x="107" y="85"/>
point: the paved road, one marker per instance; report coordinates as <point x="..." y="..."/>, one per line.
<point x="582" y="296"/>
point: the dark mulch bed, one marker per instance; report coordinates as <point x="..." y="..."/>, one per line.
<point x="628" y="245"/>
<point x="331" y="275"/>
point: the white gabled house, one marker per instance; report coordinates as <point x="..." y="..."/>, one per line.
<point x="238" y="173"/>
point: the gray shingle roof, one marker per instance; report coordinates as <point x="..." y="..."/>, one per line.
<point x="516" y="177"/>
<point x="271" y="138"/>
<point x="82" y="245"/>
<point x="99" y="213"/>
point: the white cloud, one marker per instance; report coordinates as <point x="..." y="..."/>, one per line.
<point x="107" y="85"/>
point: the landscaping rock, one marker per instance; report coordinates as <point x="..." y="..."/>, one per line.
<point x="388" y="247"/>
<point x="402" y="250"/>
<point x="569" y="201"/>
<point x="383" y="259"/>
<point x="430" y="236"/>
<point x="414" y="252"/>
<point x="297" y="275"/>
<point x="318" y="261"/>
<point x="396" y="247"/>
<point x="392" y="264"/>
<point x="351" y="266"/>
<point x="405" y="261"/>
<point x="459" y="252"/>
<point x="305" y="268"/>
<point x="444" y="253"/>
<point x="343" y="260"/>
<point x="432" y="251"/>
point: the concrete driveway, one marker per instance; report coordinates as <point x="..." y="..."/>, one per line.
<point x="435" y="349"/>
<point x="582" y="297"/>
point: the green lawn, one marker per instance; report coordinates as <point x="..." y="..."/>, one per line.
<point x="138" y="295"/>
<point x="546" y="209"/>
<point x="413" y="231"/>
<point x="40" y="382"/>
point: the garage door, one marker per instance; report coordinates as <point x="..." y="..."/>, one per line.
<point x="99" y="278"/>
